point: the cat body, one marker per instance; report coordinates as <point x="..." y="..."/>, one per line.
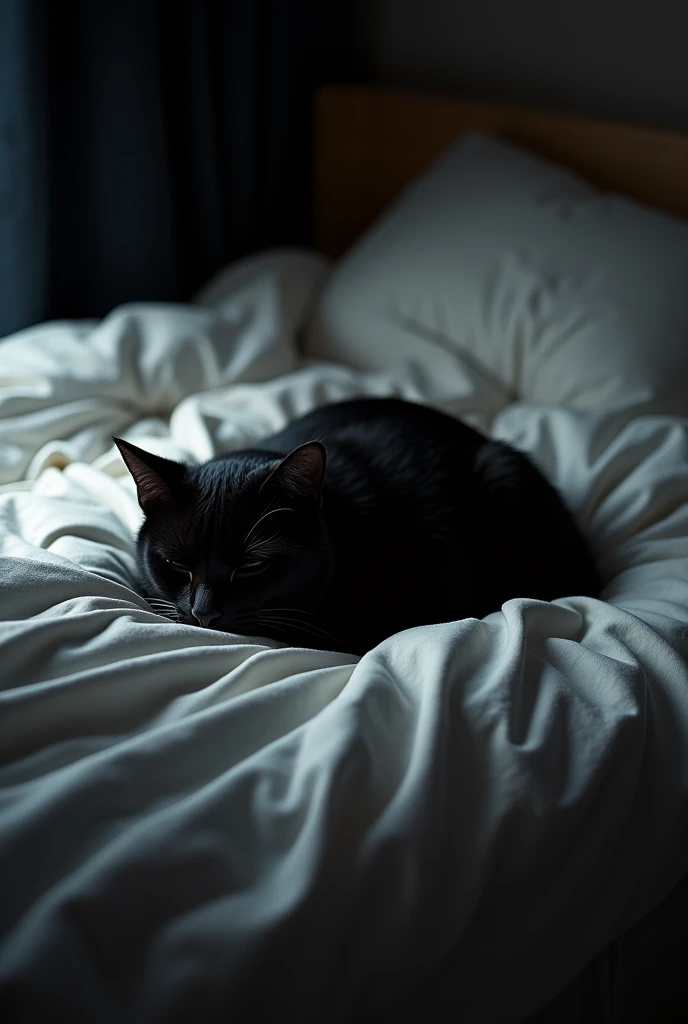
<point x="356" y="521"/>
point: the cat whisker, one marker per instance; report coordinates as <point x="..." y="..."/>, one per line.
<point x="265" y="540"/>
<point x="160" y="606"/>
<point x="285" y="627"/>
<point x="294" y="632"/>
<point x="171" y="616"/>
<point x="299" y="614"/>
<point x="259" y="546"/>
<point x="264" y="516"/>
<point x="273" y="628"/>
<point x="293" y="611"/>
<point x="300" y="625"/>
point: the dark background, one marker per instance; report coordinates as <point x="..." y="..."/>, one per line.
<point x="146" y="143"/>
<point x="622" y="59"/>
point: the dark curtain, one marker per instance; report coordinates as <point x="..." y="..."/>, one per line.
<point x="144" y="144"/>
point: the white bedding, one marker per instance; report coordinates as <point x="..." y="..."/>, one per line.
<point x="195" y="826"/>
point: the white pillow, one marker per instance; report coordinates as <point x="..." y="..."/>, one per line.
<point x="560" y="292"/>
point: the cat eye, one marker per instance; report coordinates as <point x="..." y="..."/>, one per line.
<point x="178" y="567"/>
<point x="250" y="568"/>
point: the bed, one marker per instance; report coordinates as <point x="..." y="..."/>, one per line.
<point x="195" y="825"/>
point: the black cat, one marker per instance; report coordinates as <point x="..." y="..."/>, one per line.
<point x="358" y="520"/>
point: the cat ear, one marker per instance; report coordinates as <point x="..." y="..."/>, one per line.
<point x="154" y="476"/>
<point x="301" y="473"/>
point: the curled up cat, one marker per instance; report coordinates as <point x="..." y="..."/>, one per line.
<point x="356" y="521"/>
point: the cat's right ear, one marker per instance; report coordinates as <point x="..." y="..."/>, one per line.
<point x="154" y="476"/>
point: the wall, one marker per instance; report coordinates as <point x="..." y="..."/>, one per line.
<point x="625" y="59"/>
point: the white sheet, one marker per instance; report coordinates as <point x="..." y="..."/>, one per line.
<point x="194" y="825"/>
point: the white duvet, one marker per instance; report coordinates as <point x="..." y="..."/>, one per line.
<point x="203" y="827"/>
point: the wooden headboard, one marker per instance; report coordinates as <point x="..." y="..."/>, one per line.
<point x="370" y="143"/>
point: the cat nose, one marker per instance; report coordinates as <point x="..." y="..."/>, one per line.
<point x="206" y="618"/>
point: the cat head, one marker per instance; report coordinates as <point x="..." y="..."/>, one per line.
<point x="236" y="544"/>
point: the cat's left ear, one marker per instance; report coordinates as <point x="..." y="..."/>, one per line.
<point x="154" y="476"/>
<point x="301" y="473"/>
